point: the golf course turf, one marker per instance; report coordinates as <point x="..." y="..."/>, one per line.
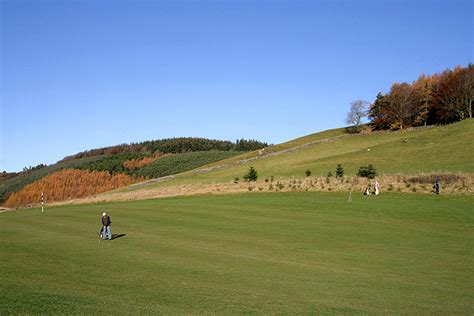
<point x="243" y="253"/>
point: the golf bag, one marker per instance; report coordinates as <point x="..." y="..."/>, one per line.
<point x="101" y="233"/>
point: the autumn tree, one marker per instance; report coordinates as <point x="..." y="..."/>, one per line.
<point x="423" y="99"/>
<point x="439" y="98"/>
<point x="465" y="90"/>
<point x="400" y="105"/>
<point x="456" y="94"/>
<point x="377" y="113"/>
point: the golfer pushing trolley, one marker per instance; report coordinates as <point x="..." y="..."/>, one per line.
<point x="106" y="232"/>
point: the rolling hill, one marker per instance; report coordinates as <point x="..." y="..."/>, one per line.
<point x="398" y="157"/>
<point x="139" y="161"/>
<point x="406" y="161"/>
<point x="423" y="150"/>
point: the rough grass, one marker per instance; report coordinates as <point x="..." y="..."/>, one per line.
<point x="239" y="254"/>
<point x="451" y="184"/>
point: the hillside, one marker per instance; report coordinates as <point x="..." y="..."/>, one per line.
<point x="406" y="161"/>
<point x="140" y="161"/>
<point x="433" y="149"/>
<point x="399" y="157"/>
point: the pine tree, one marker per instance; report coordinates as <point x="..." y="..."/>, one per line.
<point x="339" y="171"/>
<point x="251" y="175"/>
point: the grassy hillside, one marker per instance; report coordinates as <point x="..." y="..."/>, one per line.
<point x="445" y="149"/>
<point x="329" y="134"/>
<point x="238" y="254"/>
<point x="436" y="149"/>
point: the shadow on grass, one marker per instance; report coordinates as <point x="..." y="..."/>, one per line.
<point x="115" y="236"/>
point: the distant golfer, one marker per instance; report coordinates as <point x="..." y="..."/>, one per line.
<point x="376" y="188"/>
<point x="106" y="232"/>
<point x="437" y="186"/>
<point x="367" y="190"/>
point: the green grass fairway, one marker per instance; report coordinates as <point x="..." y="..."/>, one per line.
<point x="240" y="254"/>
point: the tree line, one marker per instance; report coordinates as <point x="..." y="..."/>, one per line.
<point x="173" y="146"/>
<point x="441" y="98"/>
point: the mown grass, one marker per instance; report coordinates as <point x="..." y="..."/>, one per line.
<point x="437" y="149"/>
<point x="245" y="253"/>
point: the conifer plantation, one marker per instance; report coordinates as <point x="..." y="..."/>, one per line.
<point x="69" y="184"/>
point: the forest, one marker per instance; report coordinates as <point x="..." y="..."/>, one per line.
<point x="68" y="184"/>
<point x="173" y="146"/>
<point x="441" y="98"/>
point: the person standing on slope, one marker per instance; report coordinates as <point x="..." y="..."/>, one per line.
<point x="106" y="232"/>
<point x="376" y="188"/>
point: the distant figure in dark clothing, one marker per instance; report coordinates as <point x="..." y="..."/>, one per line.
<point x="367" y="190"/>
<point x="437" y="186"/>
<point x="106" y="232"/>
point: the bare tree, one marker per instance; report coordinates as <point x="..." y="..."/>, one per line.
<point x="358" y="111"/>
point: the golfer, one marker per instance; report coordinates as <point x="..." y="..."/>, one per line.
<point x="106" y="226"/>
<point x="437" y="186"/>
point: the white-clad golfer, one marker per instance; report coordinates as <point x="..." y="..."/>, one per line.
<point x="106" y="226"/>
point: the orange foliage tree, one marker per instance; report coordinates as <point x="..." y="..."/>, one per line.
<point x="439" y="98"/>
<point x="68" y="184"/>
<point x="134" y="164"/>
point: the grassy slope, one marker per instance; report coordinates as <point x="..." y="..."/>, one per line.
<point x="446" y="148"/>
<point x="286" y="145"/>
<point x="267" y="253"/>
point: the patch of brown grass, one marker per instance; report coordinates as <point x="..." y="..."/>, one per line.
<point x="446" y="178"/>
<point x="388" y="183"/>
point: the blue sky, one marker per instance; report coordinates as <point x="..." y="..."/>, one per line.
<point x="77" y="75"/>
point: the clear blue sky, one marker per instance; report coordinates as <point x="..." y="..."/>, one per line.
<point x="84" y="74"/>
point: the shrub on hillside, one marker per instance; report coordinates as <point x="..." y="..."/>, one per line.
<point x="339" y="171"/>
<point x="367" y="172"/>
